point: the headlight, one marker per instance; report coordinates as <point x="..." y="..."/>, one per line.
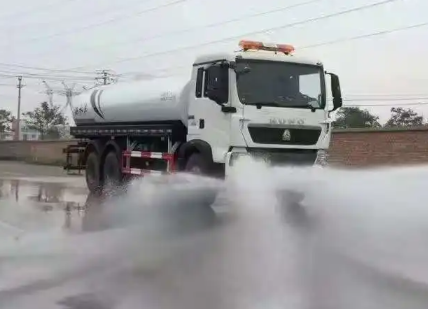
<point x="321" y="158"/>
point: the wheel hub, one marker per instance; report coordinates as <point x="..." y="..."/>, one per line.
<point x="195" y="170"/>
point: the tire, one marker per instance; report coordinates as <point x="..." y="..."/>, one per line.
<point x="92" y="173"/>
<point x="112" y="174"/>
<point x="198" y="165"/>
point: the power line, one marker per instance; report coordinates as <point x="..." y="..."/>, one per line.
<point x="14" y="85"/>
<point x="377" y="95"/>
<point x="109" y="76"/>
<point x="384" y="99"/>
<point x="387" y="105"/>
<point x="77" y="69"/>
<point x="327" y="16"/>
<point x="42" y="69"/>
<point x="33" y="9"/>
<point x="364" y="36"/>
<point x="112" y="20"/>
<point x="384" y="32"/>
<point x="8" y="77"/>
<point x="56" y="74"/>
<point x="73" y="17"/>
<point x="58" y="79"/>
<point x="188" y="30"/>
<point x="47" y="77"/>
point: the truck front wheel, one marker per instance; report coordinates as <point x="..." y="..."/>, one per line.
<point x="92" y="173"/>
<point x="199" y="165"/>
<point x="111" y="172"/>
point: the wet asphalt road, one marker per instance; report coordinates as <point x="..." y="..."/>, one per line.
<point x="90" y="258"/>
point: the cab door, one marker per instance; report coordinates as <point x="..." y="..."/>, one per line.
<point x="206" y="120"/>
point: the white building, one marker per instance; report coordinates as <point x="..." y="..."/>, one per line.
<point x="26" y="133"/>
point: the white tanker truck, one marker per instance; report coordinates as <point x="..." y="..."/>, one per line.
<point x="261" y="101"/>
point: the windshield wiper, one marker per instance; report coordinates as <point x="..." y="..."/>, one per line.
<point x="308" y="105"/>
<point x="260" y="104"/>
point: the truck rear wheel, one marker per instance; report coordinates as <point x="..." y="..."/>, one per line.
<point x="92" y="173"/>
<point x="111" y="172"/>
<point x="198" y="165"/>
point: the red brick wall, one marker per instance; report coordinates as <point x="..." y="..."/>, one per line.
<point x="352" y="147"/>
<point x="357" y="147"/>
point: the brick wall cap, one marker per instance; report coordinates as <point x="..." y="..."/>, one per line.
<point x="381" y="130"/>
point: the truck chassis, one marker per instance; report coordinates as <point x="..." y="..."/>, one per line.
<point x="113" y="153"/>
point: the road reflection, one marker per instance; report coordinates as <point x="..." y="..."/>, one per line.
<point x="56" y="205"/>
<point x="19" y="199"/>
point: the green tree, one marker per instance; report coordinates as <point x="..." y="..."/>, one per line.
<point x="5" y="120"/>
<point x="44" y="120"/>
<point x="401" y="117"/>
<point x="354" y="117"/>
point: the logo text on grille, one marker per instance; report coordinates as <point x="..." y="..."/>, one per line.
<point x="292" y="121"/>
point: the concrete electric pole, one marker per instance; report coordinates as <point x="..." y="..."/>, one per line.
<point x="106" y="77"/>
<point x="18" y="118"/>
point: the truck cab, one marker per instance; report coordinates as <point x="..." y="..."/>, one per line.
<point x="264" y="102"/>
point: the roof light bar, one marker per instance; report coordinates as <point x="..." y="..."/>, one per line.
<point x="255" y="45"/>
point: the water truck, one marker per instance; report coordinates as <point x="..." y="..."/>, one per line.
<point x="261" y="101"/>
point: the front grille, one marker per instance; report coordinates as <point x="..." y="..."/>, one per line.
<point x="283" y="157"/>
<point x="268" y="135"/>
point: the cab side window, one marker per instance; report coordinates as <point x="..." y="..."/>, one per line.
<point x="199" y="80"/>
<point x="217" y="78"/>
<point x="206" y="80"/>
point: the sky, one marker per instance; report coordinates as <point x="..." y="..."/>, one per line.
<point x="72" y="40"/>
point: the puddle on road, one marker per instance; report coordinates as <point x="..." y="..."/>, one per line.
<point x="29" y="206"/>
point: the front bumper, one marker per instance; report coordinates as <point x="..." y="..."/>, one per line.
<point x="278" y="157"/>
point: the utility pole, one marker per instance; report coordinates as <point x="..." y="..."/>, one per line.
<point x="106" y="77"/>
<point x="18" y="118"/>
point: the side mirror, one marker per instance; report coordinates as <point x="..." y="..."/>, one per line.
<point x="217" y="84"/>
<point x="336" y="92"/>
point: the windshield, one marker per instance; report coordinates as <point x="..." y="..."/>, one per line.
<point x="282" y="84"/>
